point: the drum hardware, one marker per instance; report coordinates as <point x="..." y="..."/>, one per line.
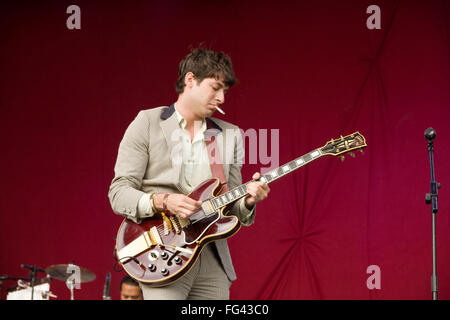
<point x="25" y="291"/>
<point x="33" y="272"/>
<point x="71" y="274"/>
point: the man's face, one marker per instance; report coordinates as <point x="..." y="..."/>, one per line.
<point x="206" y="95"/>
<point x="130" y="292"/>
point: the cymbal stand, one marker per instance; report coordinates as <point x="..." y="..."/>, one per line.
<point x="71" y="285"/>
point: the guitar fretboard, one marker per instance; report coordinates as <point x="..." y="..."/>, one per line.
<point x="241" y="191"/>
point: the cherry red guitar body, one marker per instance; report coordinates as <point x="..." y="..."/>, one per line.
<point x="159" y="264"/>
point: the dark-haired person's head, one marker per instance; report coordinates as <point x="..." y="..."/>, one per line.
<point x="204" y="78"/>
<point x="129" y="289"/>
<point x="204" y="63"/>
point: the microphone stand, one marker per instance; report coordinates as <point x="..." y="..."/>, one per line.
<point x="106" y="287"/>
<point x="432" y="198"/>
<point x="33" y="281"/>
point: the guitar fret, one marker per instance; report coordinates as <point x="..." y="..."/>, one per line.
<point x="240" y="191"/>
<point x="292" y="165"/>
<point x="315" y="153"/>
<point x="299" y="161"/>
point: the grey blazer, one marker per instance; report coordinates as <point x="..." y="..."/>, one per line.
<point x="148" y="161"/>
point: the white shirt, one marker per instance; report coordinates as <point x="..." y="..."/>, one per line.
<point x="195" y="167"/>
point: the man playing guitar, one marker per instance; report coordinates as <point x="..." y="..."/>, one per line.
<point x="163" y="156"/>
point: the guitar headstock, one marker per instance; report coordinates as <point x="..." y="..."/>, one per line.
<point x="342" y="145"/>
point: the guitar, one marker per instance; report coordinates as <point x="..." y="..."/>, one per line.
<point x="163" y="248"/>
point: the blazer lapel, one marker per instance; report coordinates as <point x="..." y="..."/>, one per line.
<point x="173" y="134"/>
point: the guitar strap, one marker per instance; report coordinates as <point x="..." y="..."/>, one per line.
<point x="215" y="161"/>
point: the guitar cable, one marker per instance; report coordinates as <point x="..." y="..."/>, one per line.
<point x="126" y="257"/>
<point x="169" y="262"/>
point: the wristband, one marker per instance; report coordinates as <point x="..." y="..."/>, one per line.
<point x="166" y="196"/>
<point x="153" y="203"/>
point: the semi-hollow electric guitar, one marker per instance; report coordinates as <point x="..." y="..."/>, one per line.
<point x="162" y="248"/>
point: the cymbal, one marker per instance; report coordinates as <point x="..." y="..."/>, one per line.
<point x="64" y="271"/>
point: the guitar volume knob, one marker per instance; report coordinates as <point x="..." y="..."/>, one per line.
<point x="164" y="272"/>
<point x="177" y="260"/>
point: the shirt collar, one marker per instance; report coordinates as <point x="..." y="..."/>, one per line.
<point x="182" y="121"/>
<point x="212" y="126"/>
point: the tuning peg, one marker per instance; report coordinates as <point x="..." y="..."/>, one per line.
<point x="342" y="158"/>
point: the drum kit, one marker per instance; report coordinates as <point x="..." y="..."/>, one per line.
<point x="34" y="288"/>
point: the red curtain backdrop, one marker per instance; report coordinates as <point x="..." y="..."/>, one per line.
<point x="310" y="69"/>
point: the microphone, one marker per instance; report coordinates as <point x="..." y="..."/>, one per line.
<point x="430" y="134"/>
<point x="33" y="268"/>
<point x="106" y="287"/>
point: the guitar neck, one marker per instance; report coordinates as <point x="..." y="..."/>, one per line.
<point x="275" y="174"/>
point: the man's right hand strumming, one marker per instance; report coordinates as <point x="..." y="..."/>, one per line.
<point x="176" y="203"/>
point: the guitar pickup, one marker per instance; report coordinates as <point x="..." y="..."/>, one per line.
<point x="167" y="224"/>
<point x="155" y="238"/>
<point x="175" y="224"/>
<point x="208" y="207"/>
